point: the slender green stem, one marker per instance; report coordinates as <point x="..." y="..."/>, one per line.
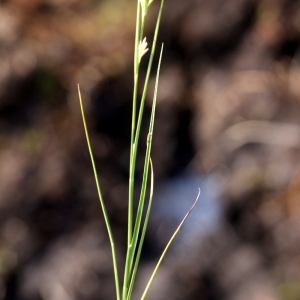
<point x="138" y="255"/>
<point x="146" y="84"/>
<point x="141" y="110"/>
<point x="135" y="133"/>
<point x="145" y="177"/>
<point x="130" y="249"/>
<point x="138" y="37"/>
<point x="134" y="227"/>
<point x="140" y="24"/>
<point x="168" y="246"/>
<point x="132" y="144"/>
<point x="135" y="88"/>
<point x="109" y="230"/>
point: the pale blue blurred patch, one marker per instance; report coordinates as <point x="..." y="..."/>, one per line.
<point x="173" y="199"/>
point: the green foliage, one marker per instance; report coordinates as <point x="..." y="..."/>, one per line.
<point x="136" y="224"/>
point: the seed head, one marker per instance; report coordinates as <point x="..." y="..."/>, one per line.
<point x="142" y="48"/>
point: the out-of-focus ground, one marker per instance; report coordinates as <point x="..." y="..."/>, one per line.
<point x="228" y="110"/>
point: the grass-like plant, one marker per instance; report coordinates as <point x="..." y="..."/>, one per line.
<point x="136" y="223"/>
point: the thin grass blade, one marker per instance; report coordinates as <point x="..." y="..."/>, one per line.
<point x="107" y="223"/>
<point x="168" y="246"/>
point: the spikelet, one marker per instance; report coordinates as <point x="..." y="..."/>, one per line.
<point x="142" y="48"/>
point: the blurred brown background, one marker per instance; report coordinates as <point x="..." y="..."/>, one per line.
<point x="228" y="120"/>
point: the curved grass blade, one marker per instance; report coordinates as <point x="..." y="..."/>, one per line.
<point x="167" y="247"/>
